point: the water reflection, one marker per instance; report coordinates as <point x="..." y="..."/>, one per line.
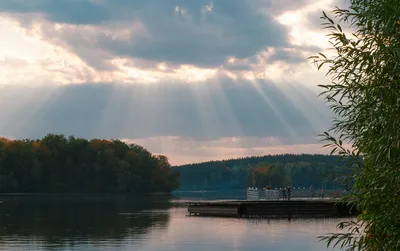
<point x="88" y="224"/>
<point x="72" y="221"/>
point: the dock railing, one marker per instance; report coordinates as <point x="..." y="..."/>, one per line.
<point x="253" y="193"/>
<point x="276" y="194"/>
<point x="257" y="194"/>
<point x="271" y="194"/>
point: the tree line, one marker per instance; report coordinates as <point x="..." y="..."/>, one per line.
<point x="300" y="170"/>
<point x="56" y="164"/>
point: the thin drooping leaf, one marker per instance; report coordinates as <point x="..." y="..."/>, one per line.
<point x="364" y="95"/>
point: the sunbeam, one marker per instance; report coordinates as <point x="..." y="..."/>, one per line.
<point x="206" y="110"/>
<point x="308" y="100"/>
<point x="301" y="106"/>
<point x="256" y="85"/>
<point x="220" y="80"/>
<point x="117" y="98"/>
<point x="227" y="114"/>
<point x="22" y="106"/>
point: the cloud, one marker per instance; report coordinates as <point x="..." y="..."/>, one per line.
<point x="291" y="56"/>
<point x="184" y="34"/>
<point x="202" y="33"/>
<point x="199" y="77"/>
<point x="61" y="11"/>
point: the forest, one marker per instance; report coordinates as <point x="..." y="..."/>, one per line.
<point x="56" y="164"/>
<point x="299" y="170"/>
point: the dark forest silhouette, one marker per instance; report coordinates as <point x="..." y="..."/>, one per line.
<point x="56" y="164"/>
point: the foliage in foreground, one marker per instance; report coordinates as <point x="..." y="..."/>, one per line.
<point x="365" y="95"/>
<point x="58" y="164"/>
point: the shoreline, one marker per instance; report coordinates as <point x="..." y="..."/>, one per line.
<point x="84" y="196"/>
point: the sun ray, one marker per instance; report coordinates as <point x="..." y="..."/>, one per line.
<point x="29" y="104"/>
<point x="206" y="111"/>
<point x="144" y="110"/>
<point x="292" y="133"/>
<point x="235" y="129"/>
<point x="108" y="117"/>
<point x="305" y="100"/>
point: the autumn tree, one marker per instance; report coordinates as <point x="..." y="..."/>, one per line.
<point x="56" y="164"/>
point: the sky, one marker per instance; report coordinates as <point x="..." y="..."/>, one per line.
<point x="193" y="80"/>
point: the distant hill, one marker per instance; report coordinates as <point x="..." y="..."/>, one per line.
<point x="299" y="170"/>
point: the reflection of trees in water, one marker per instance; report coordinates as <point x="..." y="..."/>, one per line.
<point x="66" y="221"/>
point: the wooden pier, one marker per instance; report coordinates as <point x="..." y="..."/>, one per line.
<point x="270" y="208"/>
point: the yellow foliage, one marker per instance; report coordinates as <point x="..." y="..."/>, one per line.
<point x="36" y="146"/>
<point x="98" y="143"/>
<point x="263" y="170"/>
<point x="4" y="140"/>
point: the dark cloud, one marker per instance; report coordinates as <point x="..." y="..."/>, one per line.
<point x="201" y="112"/>
<point x="293" y="54"/>
<point x="202" y="32"/>
<point x="99" y="11"/>
<point x="232" y="28"/>
<point x="289" y="56"/>
<point x="62" y="11"/>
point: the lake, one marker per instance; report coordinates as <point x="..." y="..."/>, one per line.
<point x="144" y="224"/>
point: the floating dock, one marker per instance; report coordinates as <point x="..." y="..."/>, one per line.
<point x="271" y="208"/>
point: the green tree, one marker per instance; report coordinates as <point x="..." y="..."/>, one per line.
<point x="300" y="170"/>
<point x="364" y="93"/>
<point x="64" y="165"/>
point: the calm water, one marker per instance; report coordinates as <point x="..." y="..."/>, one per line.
<point x="144" y="225"/>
